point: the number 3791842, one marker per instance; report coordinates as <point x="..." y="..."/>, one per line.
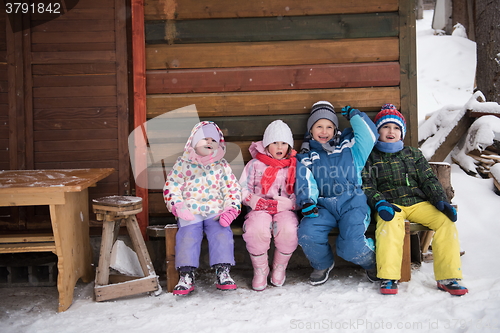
<point x="32" y="8"/>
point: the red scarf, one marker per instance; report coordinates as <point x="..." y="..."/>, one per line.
<point x="274" y="165"/>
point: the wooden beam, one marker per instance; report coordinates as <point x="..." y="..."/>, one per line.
<point x="452" y="138"/>
<point x="406" y="263"/>
<point x="195" y="9"/>
<point x="122" y="97"/>
<point x="408" y="62"/>
<point x="162" y="56"/>
<point x="28" y="96"/>
<point x="273" y="78"/>
<point x="139" y="93"/>
<point x="259" y="29"/>
<point x="272" y="102"/>
<point x="14" y="40"/>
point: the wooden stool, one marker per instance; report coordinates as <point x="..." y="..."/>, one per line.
<point x="112" y="211"/>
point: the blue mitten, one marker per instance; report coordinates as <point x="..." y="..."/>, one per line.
<point x="448" y="210"/>
<point x="386" y="210"/>
<point x="349" y="112"/>
<point x="310" y="210"/>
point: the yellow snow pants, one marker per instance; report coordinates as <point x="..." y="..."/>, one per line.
<point x="389" y="239"/>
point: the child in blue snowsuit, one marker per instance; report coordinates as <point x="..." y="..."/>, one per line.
<point x="329" y="190"/>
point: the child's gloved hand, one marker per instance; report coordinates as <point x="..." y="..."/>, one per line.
<point x="283" y="203"/>
<point x="310" y="210"/>
<point x="182" y="212"/>
<point x="448" y="210"/>
<point x="386" y="210"/>
<point x="257" y="203"/>
<point x="261" y="204"/>
<point x="227" y="217"/>
<point x="349" y="112"/>
<point x="272" y="206"/>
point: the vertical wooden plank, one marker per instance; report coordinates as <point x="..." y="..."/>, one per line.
<point x="172" y="274"/>
<point x="139" y="90"/>
<point x="28" y="95"/>
<point x="16" y="93"/>
<point x="122" y="96"/>
<point x="28" y="139"/>
<point x="408" y="62"/>
<point x="406" y="264"/>
<point x="15" y="105"/>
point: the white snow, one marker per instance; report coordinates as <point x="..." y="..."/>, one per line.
<point x="439" y="125"/>
<point x="124" y="260"/>
<point x="347" y="302"/>
<point x="446" y="69"/>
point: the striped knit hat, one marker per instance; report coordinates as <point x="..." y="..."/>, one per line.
<point x="322" y="110"/>
<point x="389" y="114"/>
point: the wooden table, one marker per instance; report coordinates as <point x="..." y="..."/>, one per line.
<point x="66" y="194"/>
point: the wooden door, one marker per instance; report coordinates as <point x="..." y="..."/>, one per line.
<point x="64" y="96"/>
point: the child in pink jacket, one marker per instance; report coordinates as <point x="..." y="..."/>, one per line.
<point x="267" y="185"/>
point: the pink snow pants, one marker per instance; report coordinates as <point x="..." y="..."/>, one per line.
<point x="260" y="226"/>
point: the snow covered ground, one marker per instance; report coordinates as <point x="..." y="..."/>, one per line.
<point x="347" y="302"/>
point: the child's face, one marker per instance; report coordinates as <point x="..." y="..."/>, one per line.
<point x="206" y="146"/>
<point x="323" y="130"/>
<point x="389" y="132"/>
<point x="278" y="149"/>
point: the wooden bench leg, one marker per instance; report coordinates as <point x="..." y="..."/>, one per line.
<point x="406" y="264"/>
<point x="425" y="242"/>
<point x="172" y="274"/>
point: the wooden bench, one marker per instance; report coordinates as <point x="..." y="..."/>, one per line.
<point x="18" y="243"/>
<point x="169" y="231"/>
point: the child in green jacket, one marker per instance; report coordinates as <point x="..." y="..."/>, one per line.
<point x="399" y="185"/>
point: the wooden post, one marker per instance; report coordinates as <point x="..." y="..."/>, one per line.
<point x="139" y="88"/>
<point x="408" y="61"/>
<point x="172" y="274"/>
<point x="425" y="241"/>
<point x="406" y="264"/>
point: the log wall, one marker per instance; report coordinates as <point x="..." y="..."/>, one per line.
<point x="245" y="64"/>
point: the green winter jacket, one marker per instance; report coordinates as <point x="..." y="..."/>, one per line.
<point x="404" y="178"/>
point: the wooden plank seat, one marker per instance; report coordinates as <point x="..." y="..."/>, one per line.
<point x="113" y="210"/>
<point x="18" y="243"/>
<point x="170" y="230"/>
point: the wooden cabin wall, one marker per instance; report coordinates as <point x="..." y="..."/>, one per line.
<point x="5" y="212"/>
<point x="4" y="97"/>
<point x="64" y="97"/>
<point x="246" y="63"/>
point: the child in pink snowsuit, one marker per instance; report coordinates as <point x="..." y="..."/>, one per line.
<point x="267" y="185"/>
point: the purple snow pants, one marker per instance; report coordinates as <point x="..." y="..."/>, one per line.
<point x="188" y="244"/>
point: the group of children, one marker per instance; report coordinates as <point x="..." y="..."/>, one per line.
<point x="335" y="181"/>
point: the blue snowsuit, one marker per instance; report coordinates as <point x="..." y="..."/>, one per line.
<point x="331" y="179"/>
